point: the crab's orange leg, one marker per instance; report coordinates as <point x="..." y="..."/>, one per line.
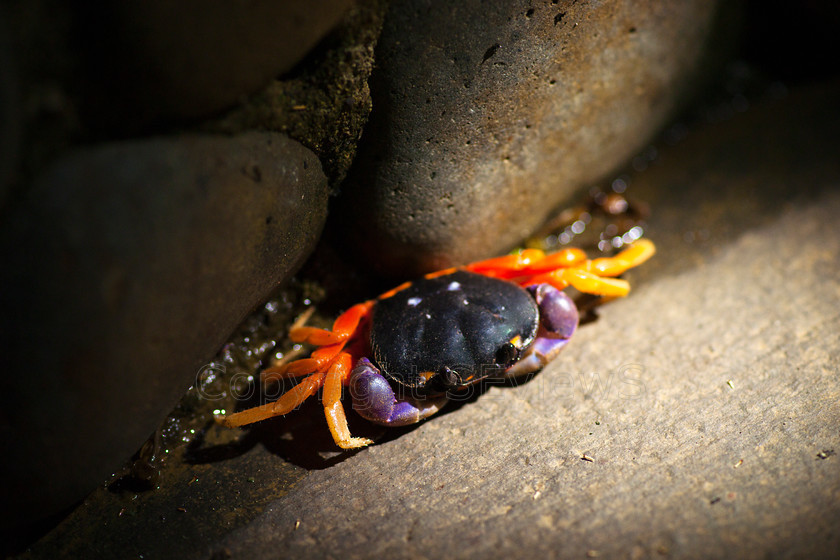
<point x="318" y="362"/>
<point x="565" y="258"/>
<point x="337" y="376"/>
<point x="331" y="342"/>
<point x="582" y="281"/>
<point x="290" y="370"/>
<point x="343" y="328"/>
<point x="506" y="266"/>
<point x="328" y="366"/>
<point x="568" y="267"/>
<point x="528" y="263"/>
<point x="633" y="256"/>
<point x="290" y="400"/>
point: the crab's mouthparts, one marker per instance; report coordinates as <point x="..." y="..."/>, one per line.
<point x="448" y="379"/>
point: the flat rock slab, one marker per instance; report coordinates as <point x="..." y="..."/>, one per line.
<point x="697" y="418"/>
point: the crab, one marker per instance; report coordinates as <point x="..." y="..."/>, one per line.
<point x="404" y="354"/>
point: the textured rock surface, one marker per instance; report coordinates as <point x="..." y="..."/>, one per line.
<point x="696" y="418"/>
<point x="325" y="103"/>
<point x="487" y="116"/>
<point x="743" y="289"/>
<point x="126" y="270"/>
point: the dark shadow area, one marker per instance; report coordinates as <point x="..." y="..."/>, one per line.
<point x="303" y="439"/>
<point x="795" y="43"/>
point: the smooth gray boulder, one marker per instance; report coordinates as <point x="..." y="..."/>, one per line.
<point x="127" y="268"/>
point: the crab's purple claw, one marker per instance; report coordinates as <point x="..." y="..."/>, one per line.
<point x="558" y="321"/>
<point x="374" y="399"/>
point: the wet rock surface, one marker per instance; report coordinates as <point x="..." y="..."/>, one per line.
<point x="696" y="418"/>
<point x="488" y="116"/>
<point x="124" y="272"/>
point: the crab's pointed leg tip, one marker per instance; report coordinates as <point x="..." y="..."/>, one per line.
<point x="355" y="443"/>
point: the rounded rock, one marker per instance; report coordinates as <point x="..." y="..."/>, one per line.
<point x="486" y="117"/>
<point x="125" y="270"/>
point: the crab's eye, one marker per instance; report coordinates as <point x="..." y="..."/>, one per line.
<point x="445" y="379"/>
<point x="506" y="354"/>
<point x="450" y="378"/>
